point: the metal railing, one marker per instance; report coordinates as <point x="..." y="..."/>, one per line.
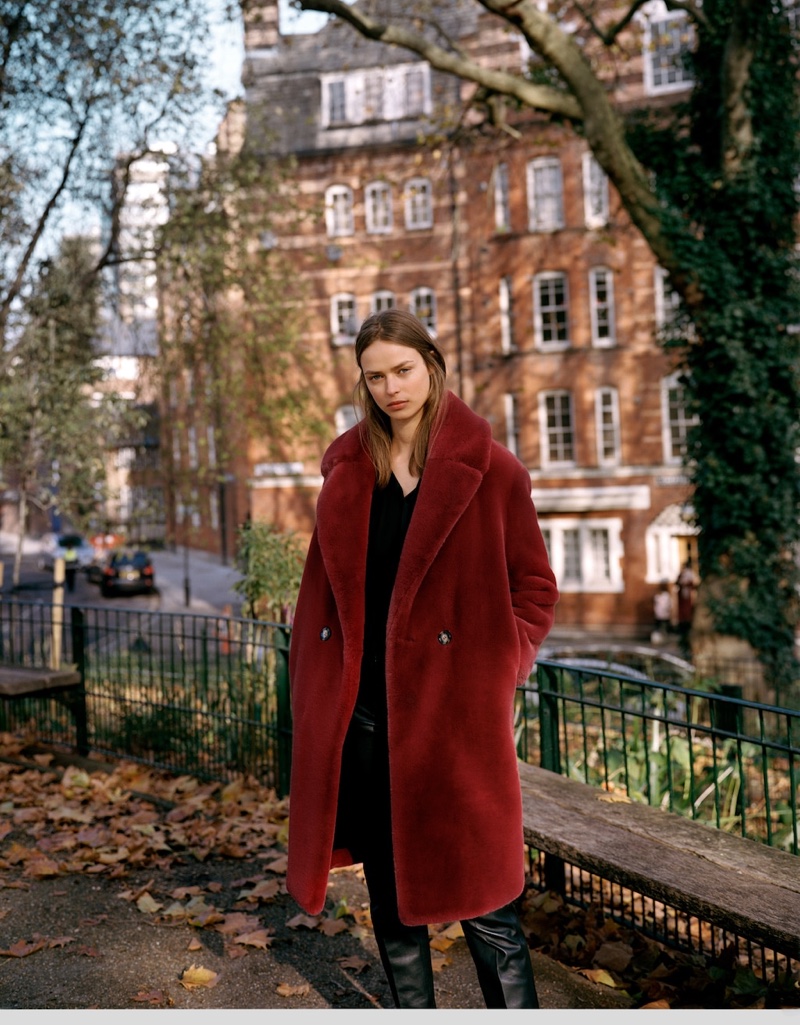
<point x="711" y="756"/>
<point x="196" y="694"/>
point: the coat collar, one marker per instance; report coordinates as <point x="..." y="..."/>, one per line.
<point x="458" y="459"/>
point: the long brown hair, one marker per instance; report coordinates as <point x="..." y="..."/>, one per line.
<point x="402" y="328"/>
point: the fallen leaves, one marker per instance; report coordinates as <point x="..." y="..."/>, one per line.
<point x="197" y="977"/>
<point x="283" y="989"/>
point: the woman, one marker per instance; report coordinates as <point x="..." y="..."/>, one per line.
<point x="425" y="597"/>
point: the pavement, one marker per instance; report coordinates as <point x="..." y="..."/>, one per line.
<point x="119" y="957"/>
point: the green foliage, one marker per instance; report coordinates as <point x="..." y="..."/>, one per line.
<point x="81" y="83"/>
<point x="52" y="417"/>
<point x="237" y="303"/>
<point x="732" y="225"/>
<point x="272" y="565"/>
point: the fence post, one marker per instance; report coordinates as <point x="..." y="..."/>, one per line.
<point x="548" y="717"/>
<point x="547" y="677"/>
<point x="284" y="712"/>
<point x="78" y="697"/>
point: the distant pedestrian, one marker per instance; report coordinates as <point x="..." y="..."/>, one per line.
<point x="687" y="590"/>
<point x="662" y="613"/>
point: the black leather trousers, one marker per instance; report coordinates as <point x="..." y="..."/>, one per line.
<point x="495" y="940"/>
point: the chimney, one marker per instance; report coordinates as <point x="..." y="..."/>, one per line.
<point x="261" y="31"/>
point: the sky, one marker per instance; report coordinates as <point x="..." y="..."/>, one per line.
<point x="225" y="69"/>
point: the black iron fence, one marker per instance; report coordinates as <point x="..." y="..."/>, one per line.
<point x="209" y="696"/>
<point x="196" y="694"/>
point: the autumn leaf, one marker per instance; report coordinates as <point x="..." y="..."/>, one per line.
<point x="41" y="868"/>
<point x="148" y="905"/>
<point x="235" y="922"/>
<point x="22" y="948"/>
<point x="260" y="938"/>
<point x="332" y="926"/>
<point x="265" y="890"/>
<point x="278" y="866"/>
<point x="283" y="989"/>
<point x="197" y="977"/>
<point x="5" y="828"/>
<point x="358" y="964"/>
<point x="182" y="892"/>
<point x="655" y="1004"/>
<point x="614" y="956"/>
<point x="599" y="975"/>
<point x="194" y="944"/>
<point x="89" y="951"/>
<point x="304" y="921"/>
<point x="60" y="941"/>
<point x="153" y="996"/>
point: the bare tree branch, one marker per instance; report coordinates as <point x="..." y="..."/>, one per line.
<point x="16" y="285"/>
<point x="608" y="35"/>
<point x="540" y="97"/>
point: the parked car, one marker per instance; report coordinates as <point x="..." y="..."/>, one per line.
<point x="129" y="571"/>
<point x="54" y="546"/>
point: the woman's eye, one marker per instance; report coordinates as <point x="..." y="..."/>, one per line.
<point x="404" y="370"/>
<point x="374" y="378"/>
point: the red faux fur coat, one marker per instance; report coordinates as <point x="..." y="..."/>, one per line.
<point x="473" y="600"/>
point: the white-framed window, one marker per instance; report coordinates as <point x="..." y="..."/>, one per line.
<point x="585" y="554"/>
<point x="213" y="509"/>
<point x="545" y="194"/>
<point x="211" y="443"/>
<point x="667" y="301"/>
<point x="344" y="322"/>
<point x="502" y="207"/>
<point x="334" y="102"/>
<point x="339" y="210"/>
<point x="381" y="300"/>
<point x="423" y="306"/>
<point x="556" y="429"/>
<point x="595" y="193"/>
<point x="191" y="439"/>
<point x="668" y="39"/>
<point x="511" y="417"/>
<point x="551" y="310"/>
<point x="345" y="417"/>
<point x="606" y="405"/>
<point x="676" y="421"/>
<point x="378" y="208"/>
<point x="507" y="342"/>
<point x="418" y="203"/>
<point x="373" y="95"/>
<point x="414" y="90"/>
<point x="601" y="306"/>
<point x="385" y="93"/>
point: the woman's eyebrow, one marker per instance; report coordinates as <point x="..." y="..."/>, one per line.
<point x="397" y="366"/>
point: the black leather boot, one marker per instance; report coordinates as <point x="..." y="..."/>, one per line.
<point x="502" y="959"/>
<point x="406" y="959"/>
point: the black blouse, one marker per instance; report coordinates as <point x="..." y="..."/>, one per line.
<point x="390" y="515"/>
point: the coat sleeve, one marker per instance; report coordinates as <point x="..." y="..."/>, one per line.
<point x="533" y="584"/>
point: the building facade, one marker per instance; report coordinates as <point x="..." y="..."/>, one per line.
<point x="515" y="251"/>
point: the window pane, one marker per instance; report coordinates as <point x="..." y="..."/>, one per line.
<point x="572" y="555"/>
<point x="599" y="556"/>
<point x="337" y="113"/>
<point x="559" y="428"/>
<point x="551" y="294"/>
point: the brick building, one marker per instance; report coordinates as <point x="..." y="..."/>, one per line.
<point x="512" y="248"/>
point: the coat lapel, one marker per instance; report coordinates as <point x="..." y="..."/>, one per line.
<point x="457" y="461"/>
<point x="343" y="530"/>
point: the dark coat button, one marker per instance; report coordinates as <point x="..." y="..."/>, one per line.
<point x="444" y="637"/>
<point x="325" y="633"/>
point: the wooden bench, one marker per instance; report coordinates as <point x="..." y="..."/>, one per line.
<point x="65" y="685"/>
<point x="740" y="885"/>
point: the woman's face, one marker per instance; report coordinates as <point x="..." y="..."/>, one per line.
<point x="399" y="381"/>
